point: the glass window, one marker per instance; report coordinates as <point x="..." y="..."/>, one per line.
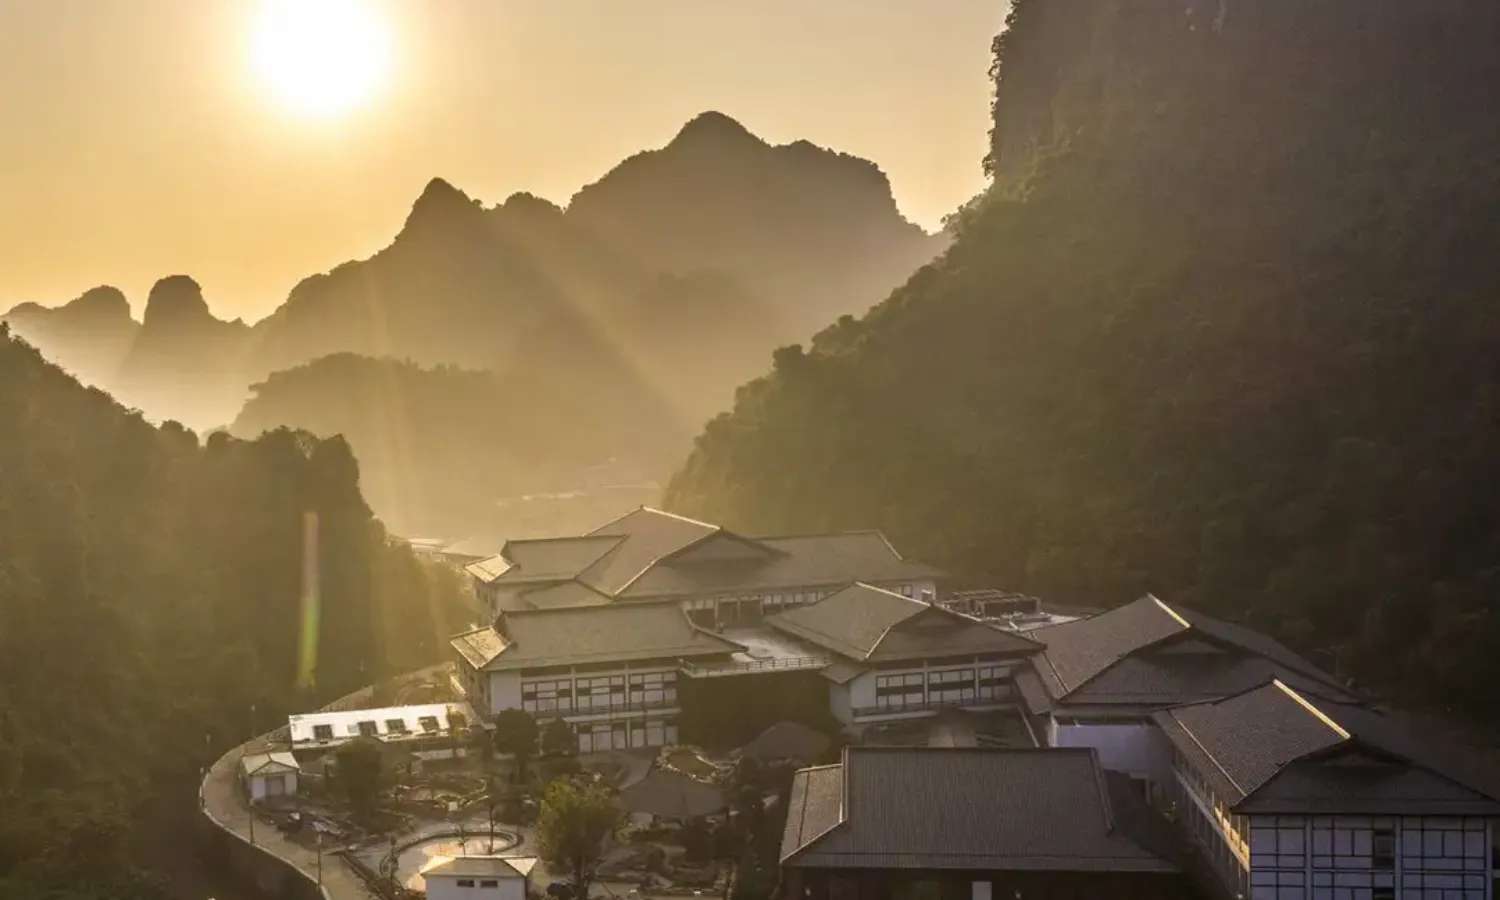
<point x="899" y="691"/>
<point x="428" y="723"/>
<point x="368" y="729"/>
<point x="323" y="732"/>
<point x="395" y="726"/>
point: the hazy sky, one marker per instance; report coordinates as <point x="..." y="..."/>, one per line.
<point x="143" y="138"/>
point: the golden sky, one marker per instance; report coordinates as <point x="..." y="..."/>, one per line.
<point x="142" y="138"/>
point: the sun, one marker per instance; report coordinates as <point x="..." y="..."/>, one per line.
<point x="321" y="58"/>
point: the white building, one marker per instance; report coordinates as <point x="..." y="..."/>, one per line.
<point x="478" y="877"/>
<point x="419" y="725"/>
<point x="269" y="775"/>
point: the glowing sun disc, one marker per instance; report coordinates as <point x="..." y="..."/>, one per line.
<point x="320" y="57"/>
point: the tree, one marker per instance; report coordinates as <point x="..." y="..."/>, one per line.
<point x="753" y="879"/>
<point x="558" y="738"/>
<point x="516" y="734"/>
<point x="360" y="763"/>
<point x="576" y="818"/>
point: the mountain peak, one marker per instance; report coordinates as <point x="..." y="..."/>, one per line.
<point x="713" y="126"/>
<point x="176" y="298"/>
<point x="440" y="201"/>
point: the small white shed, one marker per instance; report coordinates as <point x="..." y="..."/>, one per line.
<point x="478" y="877"/>
<point x="268" y="775"/>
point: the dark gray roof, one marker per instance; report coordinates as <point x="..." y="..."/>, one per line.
<point x="1100" y="659"/>
<point x="576" y="635"/>
<point x="822" y="560"/>
<point x="1275" y="749"/>
<point x="927" y="808"/>
<point x="869" y="624"/>
<point x="649" y="553"/>
<point x="672" y="795"/>
<point x="787" y="740"/>
<point x="647" y="536"/>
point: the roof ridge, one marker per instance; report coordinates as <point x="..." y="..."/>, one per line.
<point x="683" y="518"/>
<point x="1170" y="611"/>
<point x="1306" y="704"/>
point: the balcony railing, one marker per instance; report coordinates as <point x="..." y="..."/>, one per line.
<point x="611" y="709"/>
<point x="734" y="667"/>
<point x="1003" y="697"/>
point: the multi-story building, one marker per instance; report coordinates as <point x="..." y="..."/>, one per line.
<point x="1299" y="797"/>
<point x="893" y="657"/>
<point x="1097" y="681"/>
<point x="720" y="578"/>
<point x="610" y="671"/>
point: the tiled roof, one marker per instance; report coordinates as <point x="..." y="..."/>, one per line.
<point x="866" y="623"/>
<point x="672" y="795"/>
<point x="649" y="554"/>
<point x="562" y="594"/>
<point x="616" y="633"/>
<point x="1098" y="659"/>
<point x="648" y="535"/>
<point x="1275" y="749"/>
<point x="555" y="559"/>
<point x="1001" y="810"/>
<point x="798" y="561"/>
<point x="479" y="647"/>
<point x="787" y="740"/>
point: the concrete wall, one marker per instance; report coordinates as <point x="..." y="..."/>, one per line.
<point x="504" y="691"/>
<point x="1135" y="748"/>
<point x="448" y="888"/>
<point x="254" y="867"/>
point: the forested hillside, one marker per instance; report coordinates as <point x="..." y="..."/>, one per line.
<point x="1226" y="327"/>
<point x="150" y="591"/>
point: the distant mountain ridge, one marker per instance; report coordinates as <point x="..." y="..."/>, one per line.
<point x="633" y="312"/>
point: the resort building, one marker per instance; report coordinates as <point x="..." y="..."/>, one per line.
<point x="1292" y="795"/>
<point x="720" y="578"/>
<point x="612" y="672"/>
<point x="894" y="657"/>
<point x="1098" y="680"/>
<point x="982" y="824"/>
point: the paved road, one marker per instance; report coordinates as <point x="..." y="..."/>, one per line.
<point x="224" y="804"/>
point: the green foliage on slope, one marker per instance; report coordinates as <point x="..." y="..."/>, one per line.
<point x="150" y="590"/>
<point x="1226" y="328"/>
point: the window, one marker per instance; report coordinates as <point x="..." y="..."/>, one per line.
<point x="428" y="723"/>
<point x="547" y="696"/>
<point x="323" y="732"/>
<point x="956" y="686"/>
<point x="465" y="882"/>
<point x="653" y="688"/>
<point x="899" y="691"/>
<point x="906" y="590"/>
<point x="603" y="692"/>
<point x="992" y="682"/>
<point x="395" y="726"/>
<point x="1383" y="848"/>
<point x="489" y="882"/>
<point x="368" y="729"/>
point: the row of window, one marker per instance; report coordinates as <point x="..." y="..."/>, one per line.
<point x="914" y="689"/>
<point x="483" y="882"/>
<point x="371" y="728"/>
<point x="602" y="692"/>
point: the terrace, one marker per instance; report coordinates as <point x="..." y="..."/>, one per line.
<point x="766" y="649"/>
